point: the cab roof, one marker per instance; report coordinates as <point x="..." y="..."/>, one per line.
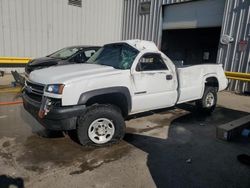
<point x="140" y="45"/>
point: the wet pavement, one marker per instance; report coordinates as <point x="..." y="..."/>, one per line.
<point x="170" y="148"/>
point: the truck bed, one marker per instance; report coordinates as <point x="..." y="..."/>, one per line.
<point x="190" y="79"/>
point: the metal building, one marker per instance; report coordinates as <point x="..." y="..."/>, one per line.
<point x="202" y="31"/>
<point x="33" y="28"/>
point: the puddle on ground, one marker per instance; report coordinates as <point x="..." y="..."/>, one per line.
<point x="39" y="154"/>
<point x="4" y="155"/>
<point x="35" y="169"/>
<point x="104" y="155"/>
<point x="6" y="144"/>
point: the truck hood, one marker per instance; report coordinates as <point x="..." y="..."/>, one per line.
<point x="70" y="73"/>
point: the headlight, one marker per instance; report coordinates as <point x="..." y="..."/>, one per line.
<point x="55" y="88"/>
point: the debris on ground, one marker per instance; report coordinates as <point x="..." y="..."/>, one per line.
<point x="189" y="160"/>
<point x="19" y="79"/>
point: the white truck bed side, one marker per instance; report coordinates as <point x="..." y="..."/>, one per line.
<point x="192" y="80"/>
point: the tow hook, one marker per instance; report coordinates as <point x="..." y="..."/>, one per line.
<point x="45" y="107"/>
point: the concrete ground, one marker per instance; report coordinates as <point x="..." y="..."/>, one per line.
<point x="172" y="148"/>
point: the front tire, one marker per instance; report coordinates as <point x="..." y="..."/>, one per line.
<point x="100" y="125"/>
<point x="208" y="101"/>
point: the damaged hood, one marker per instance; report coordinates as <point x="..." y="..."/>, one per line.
<point x="70" y="73"/>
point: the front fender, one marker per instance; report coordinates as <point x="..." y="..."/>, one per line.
<point x="84" y="97"/>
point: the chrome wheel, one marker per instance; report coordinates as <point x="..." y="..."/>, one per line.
<point x="209" y="101"/>
<point x="101" y="130"/>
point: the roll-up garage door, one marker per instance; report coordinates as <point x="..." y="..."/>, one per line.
<point x="197" y="14"/>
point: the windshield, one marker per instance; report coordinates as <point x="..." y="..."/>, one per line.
<point x="65" y="53"/>
<point x="119" y="56"/>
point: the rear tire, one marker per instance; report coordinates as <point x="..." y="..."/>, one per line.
<point x="208" y="101"/>
<point x="100" y="125"/>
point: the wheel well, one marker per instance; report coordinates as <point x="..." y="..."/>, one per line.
<point x="212" y="82"/>
<point x="116" y="99"/>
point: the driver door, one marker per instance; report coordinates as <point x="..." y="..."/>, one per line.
<point x="154" y="84"/>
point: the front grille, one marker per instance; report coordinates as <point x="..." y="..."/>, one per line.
<point x="35" y="86"/>
<point x="34" y="91"/>
<point x="34" y="97"/>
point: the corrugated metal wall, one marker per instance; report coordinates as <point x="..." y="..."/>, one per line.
<point x="168" y="2"/>
<point x="144" y="26"/>
<point x="35" y="28"/>
<point x="236" y="23"/>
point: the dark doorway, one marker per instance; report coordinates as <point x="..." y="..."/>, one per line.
<point x="191" y="46"/>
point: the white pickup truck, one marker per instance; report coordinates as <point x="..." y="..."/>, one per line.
<point x="119" y="80"/>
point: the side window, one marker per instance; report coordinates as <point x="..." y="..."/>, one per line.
<point x="151" y="62"/>
<point x="89" y="53"/>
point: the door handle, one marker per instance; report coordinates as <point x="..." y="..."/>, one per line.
<point x="169" y="77"/>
